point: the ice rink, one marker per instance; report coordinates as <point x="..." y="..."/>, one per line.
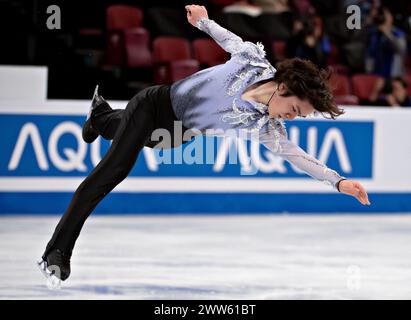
<point x="215" y="257"/>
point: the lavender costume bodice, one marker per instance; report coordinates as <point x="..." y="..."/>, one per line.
<point x="211" y="99"/>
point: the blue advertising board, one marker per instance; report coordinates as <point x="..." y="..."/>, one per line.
<point x="41" y="154"/>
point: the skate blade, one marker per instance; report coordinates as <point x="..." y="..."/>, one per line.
<point x="95" y="91"/>
<point x="53" y="283"/>
<point x="92" y="100"/>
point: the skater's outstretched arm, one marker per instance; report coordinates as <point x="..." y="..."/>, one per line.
<point x="313" y="167"/>
<point x="198" y="17"/>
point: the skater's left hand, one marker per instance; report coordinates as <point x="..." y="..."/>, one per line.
<point x="195" y="13"/>
<point x="355" y="189"/>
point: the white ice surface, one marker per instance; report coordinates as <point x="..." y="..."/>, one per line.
<point x="215" y="257"/>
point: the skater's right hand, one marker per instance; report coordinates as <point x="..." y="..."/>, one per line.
<point x="355" y="189"/>
<point x="195" y="13"/>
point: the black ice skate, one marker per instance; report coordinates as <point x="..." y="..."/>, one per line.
<point x="89" y="133"/>
<point x="55" y="267"/>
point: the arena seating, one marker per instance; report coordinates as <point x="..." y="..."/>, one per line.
<point x="173" y="59"/>
<point x="177" y="50"/>
<point x="208" y="53"/>
<point x="120" y="17"/>
<point x="342" y="90"/>
<point x="137" y="45"/>
<point x="408" y="79"/>
<point x="124" y="23"/>
<point x="363" y="85"/>
<point x="278" y="48"/>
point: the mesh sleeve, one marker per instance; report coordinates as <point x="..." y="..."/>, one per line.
<point x="280" y="145"/>
<point x="228" y="40"/>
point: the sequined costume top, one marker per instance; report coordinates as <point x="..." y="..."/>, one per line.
<point x="211" y="99"/>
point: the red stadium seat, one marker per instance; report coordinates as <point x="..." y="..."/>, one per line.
<point x="363" y="85"/>
<point x="173" y="59"/>
<point x="167" y="49"/>
<point x="341" y="88"/>
<point x="120" y="17"/>
<point x="115" y="48"/>
<point x="340" y="69"/>
<point x="334" y="56"/>
<point x="348" y="100"/>
<point x="137" y="42"/>
<point x="207" y="52"/>
<point x="340" y="84"/>
<point x="182" y="68"/>
<point x="279" y="49"/>
<point x="408" y="80"/>
<point x="127" y="42"/>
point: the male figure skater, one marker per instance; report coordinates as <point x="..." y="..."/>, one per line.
<point x="246" y="93"/>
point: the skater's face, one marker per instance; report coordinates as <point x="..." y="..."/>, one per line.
<point x="288" y="108"/>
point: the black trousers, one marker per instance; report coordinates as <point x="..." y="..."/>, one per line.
<point x="130" y="129"/>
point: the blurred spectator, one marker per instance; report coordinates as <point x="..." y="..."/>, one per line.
<point x="369" y="9"/>
<point x="273" y="6"/>
<point x="386" y="47"/>
<point x="309" y="42"/>
<point x="303" y="7"/>
<point x="245" y="7"/>
<point x="327" y="8"/>
<point x="275" y="22"/>
<point x="377" y="94"/>
<point x="390" y="93"/>
<point x="399" y="94"/>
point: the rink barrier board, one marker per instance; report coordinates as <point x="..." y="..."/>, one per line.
<point x="210" y="203"/>
<point x="43" y="160"/>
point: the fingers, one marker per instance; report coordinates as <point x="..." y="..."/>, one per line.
<point x="192" y="6"/>
<point x="364" y="197"/>
<point x="361" y="198"/>
<point x="361" y="194"/>
<point x="195" y="12"/>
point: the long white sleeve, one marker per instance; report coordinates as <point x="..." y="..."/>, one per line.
<point x="228" y="40"/>
<point x="276" y="140"/>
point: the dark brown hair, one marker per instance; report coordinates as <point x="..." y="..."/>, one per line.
<point x="306" y="81"/>
<point x="402" y="80"/>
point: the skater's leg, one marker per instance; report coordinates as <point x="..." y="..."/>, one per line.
<point x="136" y="125"/>
<point x="106" y="121"/>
